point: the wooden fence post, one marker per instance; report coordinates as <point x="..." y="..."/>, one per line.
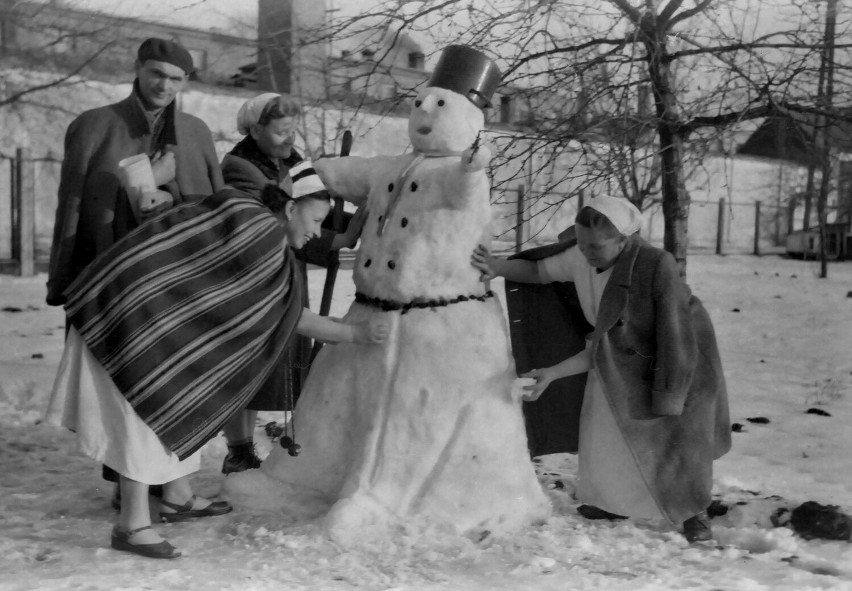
<point x="757" y="228"/>
<point x="24" y="195"/>
<point x="519" y="219"/>
<point x="720" y="226"/>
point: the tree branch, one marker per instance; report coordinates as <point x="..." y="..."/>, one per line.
<point x="58" y="82"/>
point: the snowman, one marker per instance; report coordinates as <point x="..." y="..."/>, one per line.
<point x="424" y="428"/>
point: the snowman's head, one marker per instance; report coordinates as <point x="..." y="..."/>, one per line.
<point x="443" y="121"/>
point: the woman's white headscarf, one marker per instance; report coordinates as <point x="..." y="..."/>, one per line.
<point x="249" y="113"/>
<point x="625" y="216"/>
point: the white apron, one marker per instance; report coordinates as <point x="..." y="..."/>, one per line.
<point x="85" y="400"/>
<point x="608" y="476"/>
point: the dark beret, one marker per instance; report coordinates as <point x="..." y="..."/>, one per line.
<point x="161" y="50"/>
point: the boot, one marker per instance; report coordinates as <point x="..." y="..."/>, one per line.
<point x="240" y="457"/>
<point x="697" y="528"/>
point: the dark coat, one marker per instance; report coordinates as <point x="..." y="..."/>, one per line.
<point x="547" y="326"/>
<point x="93" y="211"/>
<point x="655" y="351"/>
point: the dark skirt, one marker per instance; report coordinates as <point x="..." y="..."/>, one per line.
<point x="547" y="326"/>
<point x="282" y="389"/>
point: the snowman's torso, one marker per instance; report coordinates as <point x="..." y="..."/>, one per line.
<point x="423" y="251"/>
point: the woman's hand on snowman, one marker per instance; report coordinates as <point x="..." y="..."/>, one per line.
<point x="371" y="332"/>
<point x="475" y="158"/>
<point x="483" y="261"/>
<point x="543" y="378"/>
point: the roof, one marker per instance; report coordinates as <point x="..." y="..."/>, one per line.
<point x="791" y="135"/>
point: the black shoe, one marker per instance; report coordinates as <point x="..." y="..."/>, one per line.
<point x="697" y="528"/>
<point x="185" y="511"/>
<point x="240" y="458"/>
<point x="121" y="541"/>
<point x="155" y="490"/>
<point x="592" y="512"/>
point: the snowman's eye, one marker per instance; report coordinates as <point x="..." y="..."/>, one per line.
<point x="441" y="103"/>
<point x="418" y="102"/>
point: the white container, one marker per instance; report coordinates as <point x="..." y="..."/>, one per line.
<point x="137" y="177"/>
<point x="136" y="173"/>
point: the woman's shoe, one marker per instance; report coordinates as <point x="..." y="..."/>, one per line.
<point x="185" y="511"/>
<point x="121" y="541"/>
<point x="240" y="458"/>
<point x="592" y="512"/>
<point x="697" y="528"/>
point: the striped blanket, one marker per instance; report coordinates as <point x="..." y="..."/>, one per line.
<point x="190" y="313"/>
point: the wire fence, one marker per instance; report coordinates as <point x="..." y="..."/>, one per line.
<point x="523" y="219"/>
<point x="528" y="219"/>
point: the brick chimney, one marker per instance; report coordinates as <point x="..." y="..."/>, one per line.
<point x="286" y="62"/>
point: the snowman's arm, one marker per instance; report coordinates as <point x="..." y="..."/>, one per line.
<point x="347" y="177"/>
<point x="468" y="176"/>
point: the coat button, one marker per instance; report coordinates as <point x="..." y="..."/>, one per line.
<point x="391" y="264"/>
<point x="414" y="186"/>
<point x="390" y="188"/>
<point x="620" y="322"/>
<point x="368" y="262"/>
<point x="404" y="222"/>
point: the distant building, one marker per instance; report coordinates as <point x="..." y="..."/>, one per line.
<point x="101" y="46"/>
<point x="794" y="137"/>
<point x="287" y="55"/>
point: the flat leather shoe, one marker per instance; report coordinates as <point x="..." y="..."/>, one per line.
<point x="121" y="541"/>
<point x="185" y="511"/>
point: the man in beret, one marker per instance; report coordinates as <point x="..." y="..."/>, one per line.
<point x="93" y="209"/>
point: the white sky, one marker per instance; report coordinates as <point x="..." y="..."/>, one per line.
<point x="234" y="15"/>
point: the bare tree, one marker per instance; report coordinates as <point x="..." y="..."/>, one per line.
<point x="636" y="89"/>
<point x="825" y="96"/>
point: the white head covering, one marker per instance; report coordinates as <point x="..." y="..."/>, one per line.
<point x="249" y="113"/>
<point x="625" y="216"/>
<point x="305" y="179"/>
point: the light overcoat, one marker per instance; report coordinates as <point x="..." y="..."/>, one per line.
<point x="655" y="351"/>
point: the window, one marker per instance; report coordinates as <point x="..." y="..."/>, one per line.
<point x="416" y="60"/>
<point x="199" y="59"/>
<point x="505" y="109"/>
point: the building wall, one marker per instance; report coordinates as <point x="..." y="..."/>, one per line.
<point x="40" y="35"/>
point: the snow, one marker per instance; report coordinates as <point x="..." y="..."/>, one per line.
<point x="785" y="337"/>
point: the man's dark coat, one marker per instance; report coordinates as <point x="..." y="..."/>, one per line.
<point x="93" y="211"/>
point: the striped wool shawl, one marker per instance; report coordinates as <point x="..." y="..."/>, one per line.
<point x="190" y="313"/>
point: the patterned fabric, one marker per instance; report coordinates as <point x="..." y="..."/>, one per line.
<point x="190" y="313"/>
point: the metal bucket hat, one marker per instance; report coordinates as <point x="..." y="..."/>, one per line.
<point x="468" y="72"/>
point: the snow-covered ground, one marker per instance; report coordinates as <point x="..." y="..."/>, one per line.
<point x="786" y="343"/>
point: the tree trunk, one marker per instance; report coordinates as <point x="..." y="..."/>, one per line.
<point x="675" y="196"/>
<point x="825" y="99"/>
